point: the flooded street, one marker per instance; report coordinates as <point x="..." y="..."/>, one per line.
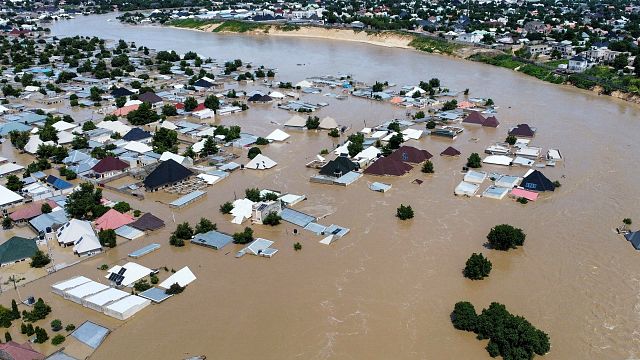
<point x="386" y="290"/>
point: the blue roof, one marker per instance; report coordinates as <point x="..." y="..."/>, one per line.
<point x="188" y="198"/>
<point x="155" y="294"/>
<point x="58" y="183"/>
<point x="296" y="217"/>
<point x="5" y="129"/>
<point x="42" y="222"/>
<point x="31" y="118"/>
<point x="91" y="334"/>
<point x="144" y="250"/>
<point x="76" y="156"/>
<point x="214" y="239"/>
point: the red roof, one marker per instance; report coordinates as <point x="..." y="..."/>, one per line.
<point x="20" y="352"/>
<point x="410" y="154"/>
<point x="29" y="211"/>
<point x="474" y="117"/>
<point x="180" y="106"/>
<point x="109" y="163"/>
<point x="491" y="121"/>
<point x="450" y="151"/>
<point x="388" y="166"/>
<point x="200" y="107"/>
<point x="113" y="219"/>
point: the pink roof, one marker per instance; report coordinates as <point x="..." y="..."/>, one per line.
<point x="20" y="351"/>
<point x="113" y="219"/>
<point x="125" y="110"/>
<point x="396" y="100"/>
<point x="529" y="195"/>
<point x="465" y="105"/>
<point x="29" y="211"/>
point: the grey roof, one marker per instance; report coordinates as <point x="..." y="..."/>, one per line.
<point x="42" y="222"/>
<point x="155" y="294"/>
<point x="296" y="217"/>
<point x="144" y="250"/>
<point x="213" y="239"/>
<point x="91" y="334"/>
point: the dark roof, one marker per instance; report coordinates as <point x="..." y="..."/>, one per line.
<point x="523" y="130"/>
<point x="410" y="154"/>
<point x="260" y="98"/>
<point x="388" y="166"/>
<point x="17" y="248"/>
<point x="491" y="121"/>
<point x="150" y="98"/>
<point x="109" y="163"/>
<point x="536" y="181"/>
<point x="147" y="221"/>
<point x="634" y="239"/>
<point x="168" y="172"/>
<point x="118" y="92"/>
<point x="136" y="134"/>
<point x="338" y="167"/>
<point x="450" y="151"/>
<point x="474" y="118"/>
<point x="58" y="183"/>
<point x="203" y="83"/>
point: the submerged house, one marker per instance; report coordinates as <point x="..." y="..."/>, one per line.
<point x="81" y="235"/>
<point x="388" y="166"/>
<point x="108" y="167"/>
<point x="536" y="181"/>
<point x="634" y="239"/>
<point x="167" y="173"/>
<point x="338" y="167"/>
<point x="523" y="130"/>
<point x="450" y="151"/>
<point x="260" y="210"/>
<point x="412" y="155"/>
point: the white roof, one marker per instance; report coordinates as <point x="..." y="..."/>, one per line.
<point x="197" y="147"/>
<point x="277" y="135"/>
<point x="133" y="272"/>
<point x="34" y="141"/>
<point x="529" y="151"/>
<point x="86" y="243"/>
<point x="168" y="125"/>
<point x="106" y="297"/>
<point x="498" y="160"/>
<point x="379" y="134"/>
<point x="115" y="126"/>
<point x="68" y="284"/>
<point x="369" y="153"/>
<point x="260" y="162"/>
<point x="277" y="95"/>
<point x="519" y="160"/>
<point x="9" y="168"/>
<point x="328" y="123"/>
<point x="138" y="147"/>
<point x="296" y="121"/>
<point x="554" y="154"/>
<point x="204" y="114"/>
<point x="7" y="196"/>
<point x="183" y="277"/>
<point x="343" y="149"/>
<point x="65" y="137"/>
<point x="123" y="305"/>
<point x="258" y="245"/>
<point x="304" y="84"/>
<point x="169" y="155"/>
<point x="63" y="125"/>
<point x="242" y="209"/>
<point x="86" y="289"/>
<point x="414" y="134"/>
<point x="465" y="188"/>
<point x="133" y="102"/>
<point x="209" y="179"/>
<point x="206" y="132"/>
<point x="71" y="231"/>
<point x="475" y="176"/>
<point x="365" y="131"/>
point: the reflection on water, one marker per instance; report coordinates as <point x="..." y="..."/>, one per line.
<point x="386" y="290"/>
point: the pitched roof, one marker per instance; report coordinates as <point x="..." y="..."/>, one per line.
<point x="523" y="130"/>
<point x="203" y="83"/>
<point x="150" y="97"/>
<point x="491" y="121"/>
<point x="168" y="172"/>
<point x="474" y="117"/>
<point x="113" y="219"/>
<point x="118" y="92"/>
<point x="450" y="151"/>
<point x="388" y="166"/>
<point x="29" y="211"/>
<point x="536" y="181"/>
<point x="17" y="248"/>
<point x="634" y="239"/>
<point x="136" y="134"/>
<point x="147" y="221"/>
<point x="58" y="183"/>
<point x="410" y="154"/>
<point x="109" y="163"/>
<point x="20" y="351"/>
<point x="338" y="167"/>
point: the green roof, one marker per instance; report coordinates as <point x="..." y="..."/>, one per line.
<point x="17" y="248"/>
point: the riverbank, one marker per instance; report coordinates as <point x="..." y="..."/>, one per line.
<point x="623" y="88"/>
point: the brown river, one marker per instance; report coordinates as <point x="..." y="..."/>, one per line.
<point x="386" y="290"/>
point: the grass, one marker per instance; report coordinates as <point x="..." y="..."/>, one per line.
<point x="239" y="26"/>
<point x="433" y="45"/>
<point x="288" y="27"/>
<point x="507" y="61"/>
<point x="192" y="23"/>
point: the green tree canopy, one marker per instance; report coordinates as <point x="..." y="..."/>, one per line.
<point x="505" y="237"/>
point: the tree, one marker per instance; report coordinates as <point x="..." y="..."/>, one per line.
<point x="505" y="237"/>
<point x="7" y="336"/>
<point x="297" y="246"/>
<point x="427" y="167"/>
<point x="19" y="139"/>
<point x="313" y="122"/>
<point x="143" y="115"/>
<point x="464" y="316"/>
<point x="175" y="289"/>
<point x="122" y="207"/>
<point x="58" y="339"/>
<point x="48" y="133"/>
<point x="272" y="219"/>
<point x="79" y="142"/>
<point x="356" y="144"/>
<point x="334" y="133"/>
<point x="169" y="110"/>
<point x="84" y="203"/>
<point x="15" y="313"/>
<point x="190" y="103"/>
<point x="14" y="183"/>
<point x="209" y="147"/>
<point x="377" y="87"/>
<point x="395" y="141"/>
<point x="243" y="237"/>
<point x="474" y="161"/>
<point x="39" y="259"/>
<point x="6" y="222"/>
<point x="253" y="194"/>
<point x="262" y="141"/>
<point x="183" y="232"/>
<point x="120" y="101"/>
<point x="253" y="152"/>
<point x="56" y="325"/>
<point x="404" y="212"/>
<point x="431" y="124"/>
<point x="107" y="238"/>
<point x="41" y="335"/>
<point x="477" y="267"/>
<point x="141" y="285"/>
<point x="226" y="208"/>
<point x="205" y="225"/>
<point x="489" y="102"/>
<point x="450" y="105"/>
<point x="212" y="102"/>
<point x="620" y="62"/>
<point x="45" y="208"/>
<point x="165" y="140"/>
<point x="95" y="94"/>
<point x="88" y="126"/>
<point x="511" y="140"/>
<point x="69" y="327"/>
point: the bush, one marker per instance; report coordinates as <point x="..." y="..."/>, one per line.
<point x="297" y="246"/>
<point x="58" y="339"/>
<point x="141" y="285"/>
<point x="226" y="208"/>
<point x="154" y="279"/>
<point x="40" y="259"/>
<point x="272" y="219"/>
<point x="474" y="161"/>
<point x="175" y="289"/>
<point x="70" y="327"/>
<point x="511" y="140"/>
<point x="122" y="207"/>
<point x="427" y="167"/>
<point x="522" y="200"/>
<point x="253" y="152"/>
<point x="557" y="184"/>
<point x="477" y="267"/>
<point x="137" y="213"/>
<point x="243" y="237"/>
<point x="45" y="208"/>
<point x="505" y="237"/>
<point x="404" y="212"/>
<point x="334" y="133"/>
<point x="464" y="316"/>
<point x="262" y="141"/>
<point x="56" y="325"/>
<point x="41" y="335"/>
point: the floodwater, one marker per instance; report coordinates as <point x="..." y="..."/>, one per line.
<point x="386" y="289"/>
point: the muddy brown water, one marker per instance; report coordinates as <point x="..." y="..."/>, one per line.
<point x="386" y="289"/>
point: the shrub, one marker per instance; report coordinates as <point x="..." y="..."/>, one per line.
<point x="226" y="207"/>
<point x="56" y="325"/>
<point x="40" y="259"/>
<point x="272" y="219"/>
<point x="243" y="237"/>
<point x="427" y="167"/>
<point x="253" y="152"/>
<point x="557" y="184"/>
<point x="175" y="289"/>
<point x="122" y="207"/>
<point x="70" y="327"/>
<point x="334" y="133"/>
<point x="253" y="194"/>
<point x="511" y="140"/>
<point x="522" y="200"/>
<point x="262" y="141"/>
<point x="58" y="339"/>
<point x="297" y="246"/>
<point x="154" y="279"/>
<point x="474" y="161"/>
<point x="505" y="237"/>
<point x="404" y="212"/>
<point x="477" y="267"/>
<point x="142" y="285"/>
<point x="45" y="208"/>
<point x="137" y="213"/>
